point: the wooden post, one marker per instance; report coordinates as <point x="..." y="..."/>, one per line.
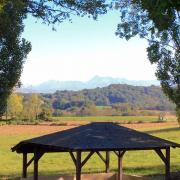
<point x="24" y="173"/>
<point x="78" y="166"/>
<point x="167" y="164"/>
<point x="35" y="165"/>
<point x="107" y="161"/>
<point x="120" y="173"/>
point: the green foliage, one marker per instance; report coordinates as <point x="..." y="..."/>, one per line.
<point x="46" y="112"/>
<point x="134" y="97"/>
<point x="124" y="109"/>
<point x="13" y="48"/>
<point x="159" y="23"/>
<point x="54" y="11"/>
<point x="88" y="109"/>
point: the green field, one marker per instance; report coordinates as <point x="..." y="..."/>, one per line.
<point x="139" y="162"/>
<point x="63" y="120"/>
<point x="120" y="119"/>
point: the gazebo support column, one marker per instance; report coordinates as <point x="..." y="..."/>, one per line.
<point x="120" y="172"/>
<point x="120" y="155"/>
<point x="37" y="156"/>
<point x="26" y="164"/>
<point x="24" y="170"/>
<point x="78" y="166"/>
<point x="35" y="166"/>
<point x="120" y="169"/>
<point x="167" y="164"/>
<point x="107" y="161"/>
<point x="166" y="159"/>
<point x="78" y="163"/>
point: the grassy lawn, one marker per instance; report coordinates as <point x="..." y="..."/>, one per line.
<point x="120" y="119"/>
<point x="137" y="162"/>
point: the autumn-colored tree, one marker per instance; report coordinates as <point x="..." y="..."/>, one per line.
<point x="32" y="107"/>
<point x="15" y="105"/>
<point x="122" y="108"/>
<point x="46" y="112"/>
<point x="88" y="109"/>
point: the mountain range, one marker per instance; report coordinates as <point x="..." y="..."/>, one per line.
<point x="52" y="85"/>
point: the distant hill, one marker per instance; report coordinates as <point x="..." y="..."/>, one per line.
<point x="141" y="97"/>
<point x="97" y="81"/>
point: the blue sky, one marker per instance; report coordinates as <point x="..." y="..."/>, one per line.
<point x="83" y="49"/>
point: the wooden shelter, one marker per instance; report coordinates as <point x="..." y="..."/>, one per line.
<point x="94" y="138"/>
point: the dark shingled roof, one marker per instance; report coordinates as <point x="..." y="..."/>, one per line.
<point x="98" y="136"/>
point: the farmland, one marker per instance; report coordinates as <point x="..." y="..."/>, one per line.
<point x="50" y="164"/>
<point x="120" y="119"/>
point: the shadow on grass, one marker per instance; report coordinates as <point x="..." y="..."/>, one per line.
<point x="163" y="130"/>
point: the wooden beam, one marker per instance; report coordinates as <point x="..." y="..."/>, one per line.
<point x="166" y="159"/>
<point x="120" y="170"/>
<point x="24" y="173"/>
<point x="73" y="157"/>
<point x="78" y="166"/>
<point x="107" y="161"/>
<point x="35" y="165"/>
<point x="99" y="154"/>
<point x="87" y="158"/>
<point x="30" y="161"/>
<point x="167" y="164"/>
<point x="37" y="156"/>
<point x="120" y="153"/>
<point x="116" y="153"/>
<point x="161" y="155"/>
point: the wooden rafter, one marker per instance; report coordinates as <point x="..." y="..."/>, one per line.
<point x="29" y="162"/>
<point x="166" y="159"/>
<point x="87" y="158"/>
<point x="73" y="157"/>
<point x="102" y="158"/>
<point x="161" y="155"/>
<point x="119" y="153"/>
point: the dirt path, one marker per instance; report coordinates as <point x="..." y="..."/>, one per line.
<point x="44" y="129"/>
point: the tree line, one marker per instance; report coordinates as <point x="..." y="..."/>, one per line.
<point x="29" y="107"/>
<point x="118" y="99"/>
<point x="149" y="98"/>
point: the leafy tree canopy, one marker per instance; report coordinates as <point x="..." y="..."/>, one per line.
<point x="158" y="21"/>
<point x="14" y="49"/>
<point x="53" y="11"/>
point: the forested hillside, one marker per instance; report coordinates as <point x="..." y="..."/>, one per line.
<point x="113" y="100"/>
<point x="138" y="97"/>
